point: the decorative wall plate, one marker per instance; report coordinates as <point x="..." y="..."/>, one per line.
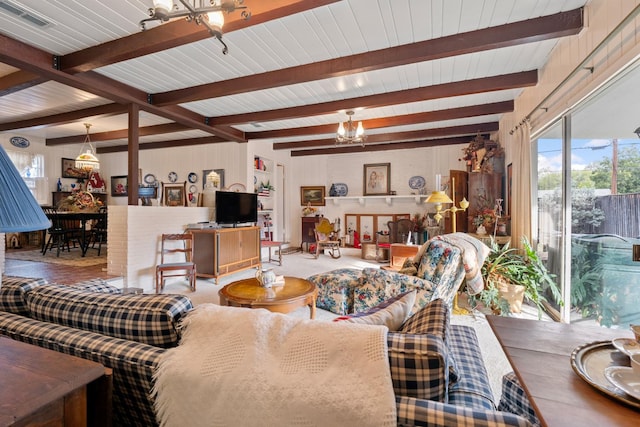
<point x="193" y="177"/>
<point x="20" y="142"/>
<point x="341" y="189"/>
<point x="193" y="189"/>
<point x="150" y="179"/>
<point x="416" y="182"/>
<point x="173" y="177"/>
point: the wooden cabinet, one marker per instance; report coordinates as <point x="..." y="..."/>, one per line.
<point x="308" y="224"/>
<point x="57" y="196"/>
<point x="218" y="252"/>
<point x="484" y="189"/>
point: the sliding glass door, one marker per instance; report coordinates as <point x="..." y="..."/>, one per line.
<point x="588" y="204"/>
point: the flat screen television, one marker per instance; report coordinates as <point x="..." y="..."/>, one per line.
<point x="236" y="208"/>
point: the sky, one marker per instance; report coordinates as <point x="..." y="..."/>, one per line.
<point x="583" y="152"/>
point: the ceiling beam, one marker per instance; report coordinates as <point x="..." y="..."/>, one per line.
<point x="164" y="144"/>
<point x="18" y="81"/>
<point x="162" y="37"/>
<point x="68" y="117"/>
<point x="473" y="130"/>
<point x="383" y="147"/>
<point x="179" y="32"/>
<point x="118" y="134"/>
<point x="446" y="90"/>
<point x="532" y="30"/>
<point x="405" y="119"/>
<point x="34" y="60"/>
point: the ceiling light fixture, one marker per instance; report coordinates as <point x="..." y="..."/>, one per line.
<point x="349" y="133"/>
<point x="197" y="11"/>
<point x="87" y="160"/>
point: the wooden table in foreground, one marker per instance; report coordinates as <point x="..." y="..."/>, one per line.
<point x="540" y="353"/>
<point x="43" y="387"/>
<point x="294" y="294"/>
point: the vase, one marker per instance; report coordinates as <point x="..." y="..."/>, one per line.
<point x="513" y="294"/>
<point x="481" y="231"/>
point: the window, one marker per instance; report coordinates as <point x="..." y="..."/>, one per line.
<point x="31" y="169"/>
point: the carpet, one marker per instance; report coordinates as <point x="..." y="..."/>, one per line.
<point x="73" y="258"/>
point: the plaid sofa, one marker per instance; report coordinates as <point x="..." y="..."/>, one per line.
<point x="127" y="333"/>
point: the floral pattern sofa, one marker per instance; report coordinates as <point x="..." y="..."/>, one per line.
<point x="436" y="272"/>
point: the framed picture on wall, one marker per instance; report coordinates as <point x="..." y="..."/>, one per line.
<point x="376" y="179"/>
<point x="313" y="196"/>
<point x="69" y="170"/>
<point x="119" y="186"/>
<point x="174" y="194"/>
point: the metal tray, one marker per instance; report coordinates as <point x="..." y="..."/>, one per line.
<point x="589" y="362"/>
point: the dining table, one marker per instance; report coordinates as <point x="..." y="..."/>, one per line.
<point x="83" y="217"/>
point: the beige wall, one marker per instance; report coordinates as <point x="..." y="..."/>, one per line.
<point x="601" y="18"/>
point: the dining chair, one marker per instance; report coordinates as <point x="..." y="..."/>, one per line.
<point x="324" y="239"/>
<point x="172" y="248"/>
<point x="62" y="233"/>
<point x="99" y="231"/>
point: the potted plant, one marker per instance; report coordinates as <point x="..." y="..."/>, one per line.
<point x="511" y="276"/>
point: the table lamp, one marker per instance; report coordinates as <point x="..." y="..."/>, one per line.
<point x="19" y="210"/>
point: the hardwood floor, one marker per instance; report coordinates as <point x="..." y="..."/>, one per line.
<point x="54" y="272"/>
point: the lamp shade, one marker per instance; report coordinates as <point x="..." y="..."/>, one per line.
<point x="438" y="197"/>
<point x="19" y="210"/>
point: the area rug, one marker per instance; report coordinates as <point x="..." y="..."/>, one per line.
<point x="73" y="258"/>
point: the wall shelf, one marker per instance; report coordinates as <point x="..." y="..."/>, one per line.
<point x="388" y="199"/>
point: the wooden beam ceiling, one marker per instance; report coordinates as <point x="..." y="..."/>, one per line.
<point x="543" y="28"/>
<point x="35" y="67"/>
<point x="383" y="147"/>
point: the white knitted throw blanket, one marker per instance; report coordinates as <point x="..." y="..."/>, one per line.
<point x="244" y="367"/>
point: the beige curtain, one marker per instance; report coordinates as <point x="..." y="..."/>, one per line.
<point x="521" y="186"/>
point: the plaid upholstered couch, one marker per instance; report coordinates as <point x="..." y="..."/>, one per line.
<point x="437" y="368"/>
<point x="127" y="333"/>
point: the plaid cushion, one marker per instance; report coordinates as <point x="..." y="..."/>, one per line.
<point x="149" y="319"/>
<point x="133" y="363"/>
<point x="428" y="413"/>
<point x="433" y="319"/>
<point x="97" y="285"/>
<point x="13" y="293"/>
<point x="418" y="364"/>
<point x="472" y="388"/>
<point x="515" y="400"/>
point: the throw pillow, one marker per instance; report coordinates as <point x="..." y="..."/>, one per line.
<point x="391" y="313"/>
<point x="432" y="319"/>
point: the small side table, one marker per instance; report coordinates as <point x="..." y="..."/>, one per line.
<point x="271" y="244"/>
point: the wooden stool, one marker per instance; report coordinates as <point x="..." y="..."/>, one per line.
<point x="271" y="244"/>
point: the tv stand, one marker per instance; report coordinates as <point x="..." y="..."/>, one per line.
<point x="223" y="251"/>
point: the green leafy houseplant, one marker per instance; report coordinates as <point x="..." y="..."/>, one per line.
<point x="508" y="266"/>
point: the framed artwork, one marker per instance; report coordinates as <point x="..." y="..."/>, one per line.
<point x="376" y="179"/>
<point x="313" y="196"/>
<point x="174" y="194"/>
<point x="69" y="170"/>
<point x="119" y="186"/>
<point x="206" y="172"/>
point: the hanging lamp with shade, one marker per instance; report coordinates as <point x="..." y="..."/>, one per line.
<point x="87" y="160"/>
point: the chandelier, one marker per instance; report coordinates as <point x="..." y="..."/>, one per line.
<point x="349" y="133"/>
<point x="197" y="11"/>
<point x="87" y="160"/>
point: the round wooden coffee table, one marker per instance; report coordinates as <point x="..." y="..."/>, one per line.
<point x="295" y="293"/>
